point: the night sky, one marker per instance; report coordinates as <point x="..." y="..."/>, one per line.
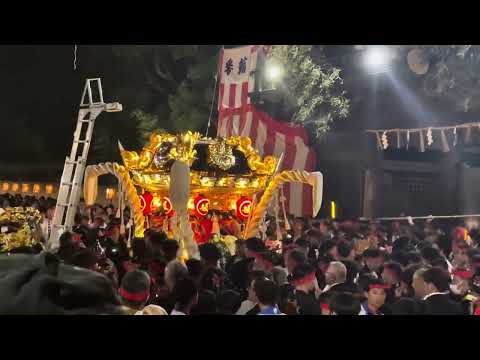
<point x="40" y="94"/>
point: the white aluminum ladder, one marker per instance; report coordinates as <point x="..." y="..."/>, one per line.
<point x="72" y="178"/>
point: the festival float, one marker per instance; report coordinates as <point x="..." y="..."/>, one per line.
<point x="176" y="180"/>
<point x="19" y="228"/>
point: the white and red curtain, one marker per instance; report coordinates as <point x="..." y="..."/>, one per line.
<point x="238" y="117"/>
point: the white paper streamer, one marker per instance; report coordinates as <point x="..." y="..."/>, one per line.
<point x="445" y="146"/>
<point x="422" y="143"/>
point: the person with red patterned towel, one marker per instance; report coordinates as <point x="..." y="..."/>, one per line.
<point x="135" y="290"/>
<point x="474" y="293"/>
<point x="375" y="291"/>
<point x="460" y="289"/>
<point x="306" y="289"/>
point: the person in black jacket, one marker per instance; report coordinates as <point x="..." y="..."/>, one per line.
<point x="406" y="306"/>
<point x="306" y="289"/>
<point x="135" y="290"/>
<point x="239" y="255"/>
<point x="373" y="260"/>
<point x="344" y="304"/>
<point x="352" y="275"/>
<point x="433" y="287"/>
<point x="391" y="275"/>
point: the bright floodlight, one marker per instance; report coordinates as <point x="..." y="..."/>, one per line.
<point x="274" y="72"/>
<point x="377" y="58"/>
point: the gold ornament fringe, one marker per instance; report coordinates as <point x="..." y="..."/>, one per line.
<point x="255" y="163"/>
<point x="26" y="222"/>
<point x="179" y="195"/>
<point x="182" y="149"/>
<point x="284" y="177"/>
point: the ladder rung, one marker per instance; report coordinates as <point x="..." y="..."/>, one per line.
<point x="69" y="183"/>
<point x="63" y="204"/>
<point x="73" y="162"/>
<point x="81" y="141"/>
<point x="85" y="121"/>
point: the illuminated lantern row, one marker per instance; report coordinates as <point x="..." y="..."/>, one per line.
<point x="25" y="188"/>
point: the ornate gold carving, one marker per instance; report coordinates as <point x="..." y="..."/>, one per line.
<point x="255" y="163"/>
<point x="220" y="155"/>
<point x="19" y="227"/>
<point x="182" y="149"/>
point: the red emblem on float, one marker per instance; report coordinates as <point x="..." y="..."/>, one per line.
<point x="201" y="205"/>
<point x="146" y="203"/>
<point x="244" y="207"/>
<point x="167" y="206"/>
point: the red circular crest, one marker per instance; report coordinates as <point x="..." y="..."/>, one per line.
<point x="167" y="206"/>
<point x="146" y="203"/>
<point x="244" y="207"/>
<point x="201" y="205"/>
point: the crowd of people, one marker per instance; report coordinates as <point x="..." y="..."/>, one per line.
<point x="306" y="267"/>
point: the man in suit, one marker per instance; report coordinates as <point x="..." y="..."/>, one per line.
<point x="335" y="277"/>
<point x="344" y="304"/>
<point x="373" y="260"/>
<point x="433" y="287"/>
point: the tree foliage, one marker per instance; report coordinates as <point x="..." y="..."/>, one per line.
<point x="183" y="77"/>
<point x="454" y="75"/>
<point x="315" y="89"/>
<point x="146" y="123"/>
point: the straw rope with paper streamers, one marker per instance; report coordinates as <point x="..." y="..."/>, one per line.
<point x="283" y="199"/>
<point x="383" y="144"/>
<point x="90" y="190"/>
<point x="314" y="179"/>
<point x="429" y="217"/>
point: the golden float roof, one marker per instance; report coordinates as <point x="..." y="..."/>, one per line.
<point x="221" y="165"/>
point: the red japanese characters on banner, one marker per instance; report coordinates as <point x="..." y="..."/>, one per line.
<point x="244" y="207"/>
<point x="146" y="203"/>
<point x="201" y="205"/>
